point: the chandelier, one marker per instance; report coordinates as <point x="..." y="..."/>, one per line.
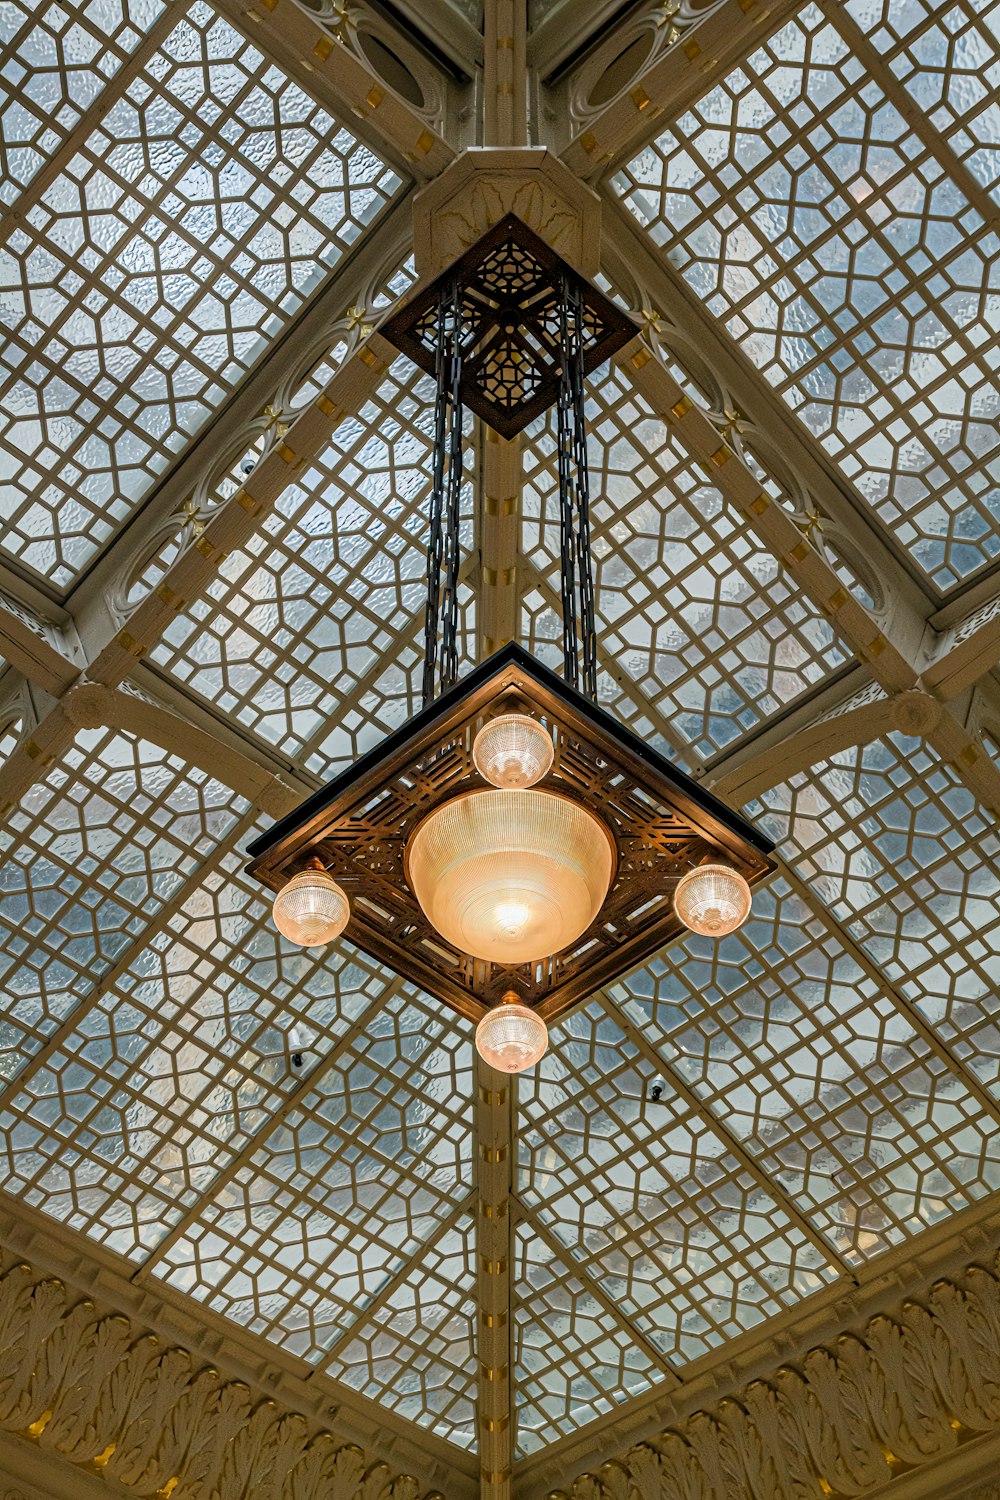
<point x="513" y="847"/>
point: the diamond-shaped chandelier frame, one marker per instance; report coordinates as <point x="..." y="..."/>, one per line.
<point x="662" y="824"/>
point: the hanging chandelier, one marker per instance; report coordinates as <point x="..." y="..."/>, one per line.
<point x="513" y="847"/>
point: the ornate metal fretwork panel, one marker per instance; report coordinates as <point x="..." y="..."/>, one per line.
<point x="510" y="289"/>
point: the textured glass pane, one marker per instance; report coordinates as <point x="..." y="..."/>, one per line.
<point x="572" y="1360"/>
<point x="171" y="1069"/>
<point x="89" y="859"/>
<point x="416" y="1355"/>
<point x="649" y="1198"/>
<point x="190" y="225"/>
<point x="948" y="56"/>
<point x="338" y="1197"/>
<point x="691" y="608"/>
<point x="334" y="584"/>
<point x="833" y="246"/>
<point x="811" y="1063"/>
<point x="55" y="60"/>
<point x="904" y="856"/>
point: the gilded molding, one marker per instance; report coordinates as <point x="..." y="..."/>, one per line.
<point x="848" y="1418"/>
<point x="106" y="1395"/>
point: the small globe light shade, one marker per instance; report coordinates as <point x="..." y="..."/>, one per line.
<point x="712" y="900"/>
<point x="311" y="909"/>
<point x="512" y="751"/>
<point x="510" y="1037"/>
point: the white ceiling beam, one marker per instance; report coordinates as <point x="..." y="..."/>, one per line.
<point x="498" y="537"/>
<point x="342" y="79"/>
<point x="451" y="33"/>
<point x="705" y="49"/>
<point x="493" y="1142"/>
<point x="505" y="73"/>
<point x="676" y="322"/>
<point x="339" y="314"/>
<point x="229" y="527"/>
<point x="965" y="653"/>
<point x="771" y="522"/>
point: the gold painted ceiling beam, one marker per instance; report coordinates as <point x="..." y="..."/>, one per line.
<point x="493" y="1138"/>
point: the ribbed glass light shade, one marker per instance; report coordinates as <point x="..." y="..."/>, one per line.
<point x="510" y="1037"/>
<point x="510" y="876"/>
<point x="311" y="909"/>
<point x="712" y="900"/>
<point x="512" y="751"/>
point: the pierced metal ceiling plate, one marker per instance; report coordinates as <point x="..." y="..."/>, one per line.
<point x="662" y="823"/>
<point x="511" y="284"/>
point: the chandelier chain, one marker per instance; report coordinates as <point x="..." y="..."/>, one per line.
<point x="443" y="546"/>
<point x="441" y="627"/>
<point x="577" y="571"/>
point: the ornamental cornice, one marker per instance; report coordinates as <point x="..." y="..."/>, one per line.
<point x="874" y="1410"/>
<point x="96" y="1389"/>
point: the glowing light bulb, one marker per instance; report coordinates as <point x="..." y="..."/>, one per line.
<point x="712" y="900"/>
<point x="510" y="876"/>
<point x="311" y="909"/>
<point x="510" y="1037"/>
<point x="512" y="751"/>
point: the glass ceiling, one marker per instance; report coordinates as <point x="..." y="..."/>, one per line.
<point x="853" y="259"/>
<point x="288" y="1137"/>
<point x="155" y="256"/>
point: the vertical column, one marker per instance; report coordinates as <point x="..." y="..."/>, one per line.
<point x="499" y="538"/>
<point x="494" y="1274"/>
<point x="505" y="74"/>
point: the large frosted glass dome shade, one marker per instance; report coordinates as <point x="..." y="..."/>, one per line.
<point x="510" y="876"/>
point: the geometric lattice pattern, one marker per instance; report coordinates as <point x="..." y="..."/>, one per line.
<point x="898" y="849"/>
<point x="333" y="585"/>
<point x="689" y="603"/>
<point x="125" y="330"/>
<point x="195" y="242"/>
<point x="850" y="267"/>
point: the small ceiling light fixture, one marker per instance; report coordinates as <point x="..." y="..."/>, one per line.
<point x="587" y="851"/>
<point x="510" y="1037"/>
<point x="311" y="909"/>
<point x="512" y="750"/>
<point x="713" y="900"/>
